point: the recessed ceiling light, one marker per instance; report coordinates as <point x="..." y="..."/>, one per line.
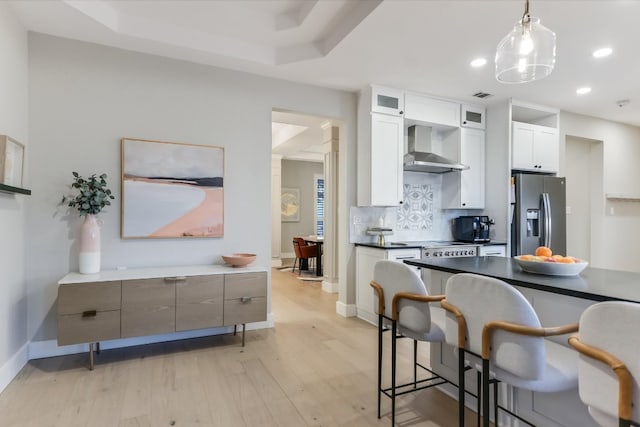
<point x="478" y="62"/>
<point x="601" y="53"/>
<point x="583" y="90"/>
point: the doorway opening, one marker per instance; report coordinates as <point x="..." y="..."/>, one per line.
<point x="584" y="174"/>
<point x="304" y="191"/>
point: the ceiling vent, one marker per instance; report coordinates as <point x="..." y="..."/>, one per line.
<point x="482" y="95"/>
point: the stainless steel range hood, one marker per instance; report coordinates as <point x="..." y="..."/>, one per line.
<point x="420" y="156"/>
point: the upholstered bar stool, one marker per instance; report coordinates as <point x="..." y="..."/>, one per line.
<point x="609" y="366"/>
<point x="405" y="308"/>
<point x="493" y="321"/>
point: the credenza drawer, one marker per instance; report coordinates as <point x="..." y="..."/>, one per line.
<point x="88" y="327"/>
<point x="80" y="297"/>
<point x="245" y="310"/>
<point x="245" y="285"/>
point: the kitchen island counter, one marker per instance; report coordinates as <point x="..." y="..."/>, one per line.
<point x="558" y="300"/>
<point x="595" y="284"/>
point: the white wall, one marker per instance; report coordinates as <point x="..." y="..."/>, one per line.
<point x="13" y="122"/>
<point x="85" y="97"/>
<point x="615" y="228"/>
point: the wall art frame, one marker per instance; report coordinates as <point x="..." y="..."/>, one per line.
<point x="11" y="161"/>
<point x="290" y="204"/>
<point x="171" y="190"/>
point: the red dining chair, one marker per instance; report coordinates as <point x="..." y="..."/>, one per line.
<point x="303" y="252"/>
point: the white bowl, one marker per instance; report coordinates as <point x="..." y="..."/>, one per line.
<point x="551" y="268"/>
<point x="239" y="260"/>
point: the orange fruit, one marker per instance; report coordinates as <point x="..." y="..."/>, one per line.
<point x="566" y="260"/>
<point x="543" y="251"/>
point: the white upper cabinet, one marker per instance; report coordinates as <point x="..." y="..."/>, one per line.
<point x="431" y="111"/>
<point x="380" y="152"/>
<point x="472" y="116"/>
<point x="535" y="148"/>
<point x="387" y="100"/>
<point x="465" y="189"/>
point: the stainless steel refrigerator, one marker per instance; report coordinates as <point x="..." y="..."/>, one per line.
<point x="539" y="214"/>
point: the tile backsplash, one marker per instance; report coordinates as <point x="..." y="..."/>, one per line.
<point x="418" y="218"/>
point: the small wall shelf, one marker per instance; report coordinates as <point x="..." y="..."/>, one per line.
<point x="10" y="189"/>
<point x="623" y="197"/>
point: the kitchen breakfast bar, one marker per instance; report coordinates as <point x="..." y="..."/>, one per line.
<point x="558" y="300"/>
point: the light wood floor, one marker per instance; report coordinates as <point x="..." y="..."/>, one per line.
<point x="314" y="368"/>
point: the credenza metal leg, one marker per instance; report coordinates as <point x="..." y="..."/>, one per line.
<point x="235" y="330"/>
<point x="91" y="357"/>
<point x="244" y="328"/>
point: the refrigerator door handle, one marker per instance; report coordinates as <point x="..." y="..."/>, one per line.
<point x="546" y="213"/>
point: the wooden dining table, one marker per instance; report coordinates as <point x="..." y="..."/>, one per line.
<point x="317" y="240"/>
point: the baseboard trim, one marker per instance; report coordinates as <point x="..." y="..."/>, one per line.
<point x="330" y="287"/>
<point x="287" y="255"/>
<point x="276" y="262"/>
<point x="12" y="367"/>
<point x="345" y="310"/>
<point x="50" y="348"/>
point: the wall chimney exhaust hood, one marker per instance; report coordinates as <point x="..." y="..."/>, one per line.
<point x="420" y="156"/>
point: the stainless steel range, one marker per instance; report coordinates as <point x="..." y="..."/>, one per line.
<point x="448" y="249"/>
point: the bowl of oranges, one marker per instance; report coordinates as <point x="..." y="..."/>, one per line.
<point x="545" y="262"/>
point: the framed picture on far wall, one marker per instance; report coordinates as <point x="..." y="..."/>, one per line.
<point x="290" y="204"/>
<point x="171" y="190"/>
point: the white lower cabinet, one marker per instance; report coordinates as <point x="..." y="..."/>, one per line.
<point x="366" y="258"/>
<point x="542" y="409"/>
<point x="492" y="250"/>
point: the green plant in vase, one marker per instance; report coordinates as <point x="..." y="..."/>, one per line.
<point x="92" y="196"/>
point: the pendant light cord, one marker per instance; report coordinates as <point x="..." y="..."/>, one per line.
<point x="526" y="18"/>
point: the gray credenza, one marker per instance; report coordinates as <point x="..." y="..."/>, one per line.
<point x="149" y="301"/>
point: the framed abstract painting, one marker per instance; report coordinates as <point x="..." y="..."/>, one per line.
<point x="171" y="190"/>
<point x="290" y="204"/>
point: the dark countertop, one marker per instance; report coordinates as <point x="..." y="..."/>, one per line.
<point x="417" y="245"/>
<point x="595" y="284"/>
<point x="386" y="246"/>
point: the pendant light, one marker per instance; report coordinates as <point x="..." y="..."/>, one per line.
<point x="527" y="53"/>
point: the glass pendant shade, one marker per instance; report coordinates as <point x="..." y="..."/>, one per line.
<point x="527" y="53"/>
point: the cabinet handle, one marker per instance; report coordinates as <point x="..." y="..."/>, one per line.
<point x="401" y="112"/>
<point x="245" y="300"/>
<point x="181" y="278"/>
<point x="406" y="257"/>
<point x="175" y="279"/>
<point x="464" y="204"/>
<point x="89" y="313"/>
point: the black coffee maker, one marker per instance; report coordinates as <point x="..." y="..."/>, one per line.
<point x="472" y="229"/>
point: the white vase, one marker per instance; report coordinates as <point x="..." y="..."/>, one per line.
<point x="89" y="245"/>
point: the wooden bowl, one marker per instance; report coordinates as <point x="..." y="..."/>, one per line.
<point x="239" y="260"/>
